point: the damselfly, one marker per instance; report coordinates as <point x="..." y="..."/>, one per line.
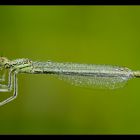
<point x="100" y="76"/>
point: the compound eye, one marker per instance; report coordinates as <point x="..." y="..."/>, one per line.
<point x="6" y="65"/>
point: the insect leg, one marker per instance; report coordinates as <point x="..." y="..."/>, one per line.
<point x="7" y="88"/>
<point x="14" y="93"/>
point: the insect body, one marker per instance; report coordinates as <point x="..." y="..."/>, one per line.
<point x="100" y="76"/>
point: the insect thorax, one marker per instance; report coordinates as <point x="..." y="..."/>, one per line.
<point x="20" y="63"/>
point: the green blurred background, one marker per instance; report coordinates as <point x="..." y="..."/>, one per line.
<point x="84" y="34"/>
